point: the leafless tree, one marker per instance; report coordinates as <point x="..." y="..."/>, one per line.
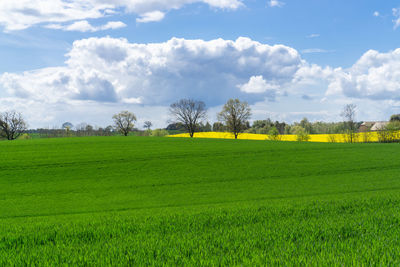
<point x="147" y="125"/>
<point x="189" y="112"/>
<point x="235" y="114"/>
<point x="12" y="125"/>
<point x="81" y="126"/>
<point x="348" y="114"/>
<point x="124" y="122"/>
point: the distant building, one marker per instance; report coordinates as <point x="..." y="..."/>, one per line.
<point x="366" y="126"/>
<point x="379" y="125"/>
<point x="372" y="126"/>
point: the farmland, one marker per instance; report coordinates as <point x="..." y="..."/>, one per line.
<point x="179" y="201"/>
<point x="365" y="137"/>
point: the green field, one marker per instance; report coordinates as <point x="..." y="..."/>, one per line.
<point x="172" y="201"/>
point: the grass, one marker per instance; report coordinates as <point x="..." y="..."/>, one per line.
<point x="178" y="201"/>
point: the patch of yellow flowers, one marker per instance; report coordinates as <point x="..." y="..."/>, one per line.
<point x="332" y="138"/>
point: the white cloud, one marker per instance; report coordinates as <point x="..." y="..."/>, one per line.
<point x="112" y="25"/>
<point x="80" y="26"/>
<point x="17" y="15"/>
<point x="54" y="26"/>
<point x="257" y="85"/>
<point x="114" y="70"/>
<point x="375" y="76"/>
<point x="22" y="14"/>
<point x="85" y="26"/>
<point x="313" y="35"/>
<point x="396" y="14"/>
<point x="316" y="50"/>
<point x="376" y="14"/>
<point x="151" y="17"/>
<point x="314" y="75"/>
<point x="132" y="100"/>
<point x="276" y="3"/>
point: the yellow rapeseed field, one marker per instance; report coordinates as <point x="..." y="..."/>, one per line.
<point x="333" y="138"/>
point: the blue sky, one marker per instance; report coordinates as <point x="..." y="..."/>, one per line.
<point x="306" y="58"/>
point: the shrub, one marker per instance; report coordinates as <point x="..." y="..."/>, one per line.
<point x="159" y="132"/>
<point x="301" y="133"/>
<point x="332" y="138"/>
<point x="24" y="136"/>
<point x="274" y="135"/>
<point x="390" y="133"/>
<point x="349" y="136"/>
<point x="144" y="133"/>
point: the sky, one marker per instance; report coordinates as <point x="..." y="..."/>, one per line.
<point x="85" y="60"/>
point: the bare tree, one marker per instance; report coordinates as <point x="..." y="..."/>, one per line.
<point x="89" y="129"/>
<point x="147" y="125"/>
<point x="348" y="114"/>
<point x="189" y="112"/>
<point x="12" y="125"/>
<point x="81" y="129"/>
<point x="235" y="114"/>
<point x="124" y="122"/>
<point x="81" y="126"/>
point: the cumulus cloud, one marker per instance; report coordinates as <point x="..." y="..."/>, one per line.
<point x="22" y="14"/>
<point x="114" y="70"/>
<point x="313" y="74"/>
<point x="258" y="85"/>
<point x="375" y="76"/>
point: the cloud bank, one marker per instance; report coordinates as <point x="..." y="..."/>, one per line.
<point x="114" y="70"/>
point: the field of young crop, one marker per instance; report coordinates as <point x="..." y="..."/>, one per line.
<point x="179" y="201"/>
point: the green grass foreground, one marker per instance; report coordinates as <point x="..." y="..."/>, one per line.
<point x="167" y="201"/>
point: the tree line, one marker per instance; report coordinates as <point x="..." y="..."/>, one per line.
<point x="190" y="115"/>
<point x="235" y="116"/>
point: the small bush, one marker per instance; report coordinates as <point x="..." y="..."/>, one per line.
<point x="25" y="136"/>
<point x="144" y="133"/>
<point x="274" y="135"/>
<point x="350" y="136"/>
<point x="332" y="138"/>
<point x="159" y="132"/>
<point x="301" y="133"/>
<point x="390" y="133"/>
